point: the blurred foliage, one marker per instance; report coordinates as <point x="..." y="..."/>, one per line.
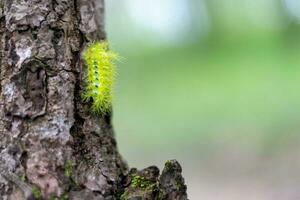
<point x="238" y="83"/>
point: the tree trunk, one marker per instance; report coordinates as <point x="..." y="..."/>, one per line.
<point x="51" y="146"/>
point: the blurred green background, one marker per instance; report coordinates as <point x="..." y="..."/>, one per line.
<point x="214" y="84"/>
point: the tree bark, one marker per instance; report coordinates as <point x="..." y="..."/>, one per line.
<point x="51" y="146"/>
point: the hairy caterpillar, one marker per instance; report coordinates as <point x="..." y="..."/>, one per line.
<point x="100" y="76"/>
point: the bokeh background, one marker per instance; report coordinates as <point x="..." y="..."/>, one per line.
<point x="214" y="84"/>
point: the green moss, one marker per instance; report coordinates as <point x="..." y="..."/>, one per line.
<point x="139" y="181"/>
<point x="23" y="178"/>
<point x="54" y="198"/>
<point x="161" y="196"/>
<point x="63" y="197"/>
<point x="179" y="184"/>
<point x="69" y="166"/>
<point x="168" y="165"/>
<point x="125" y="195"/>
<point x="139" y="186"/>
<point x="97" y="173"/>
<point x="36" y="191"/>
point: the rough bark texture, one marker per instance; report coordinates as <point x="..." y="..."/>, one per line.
<point x="51" y="146"/>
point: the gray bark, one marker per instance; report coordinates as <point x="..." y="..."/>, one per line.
<point x="51" y="146"/>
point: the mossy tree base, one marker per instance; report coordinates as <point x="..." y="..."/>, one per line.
<point x="147" y="184"/>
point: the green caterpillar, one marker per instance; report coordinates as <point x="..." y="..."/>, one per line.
<point x="100" y="76"/>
